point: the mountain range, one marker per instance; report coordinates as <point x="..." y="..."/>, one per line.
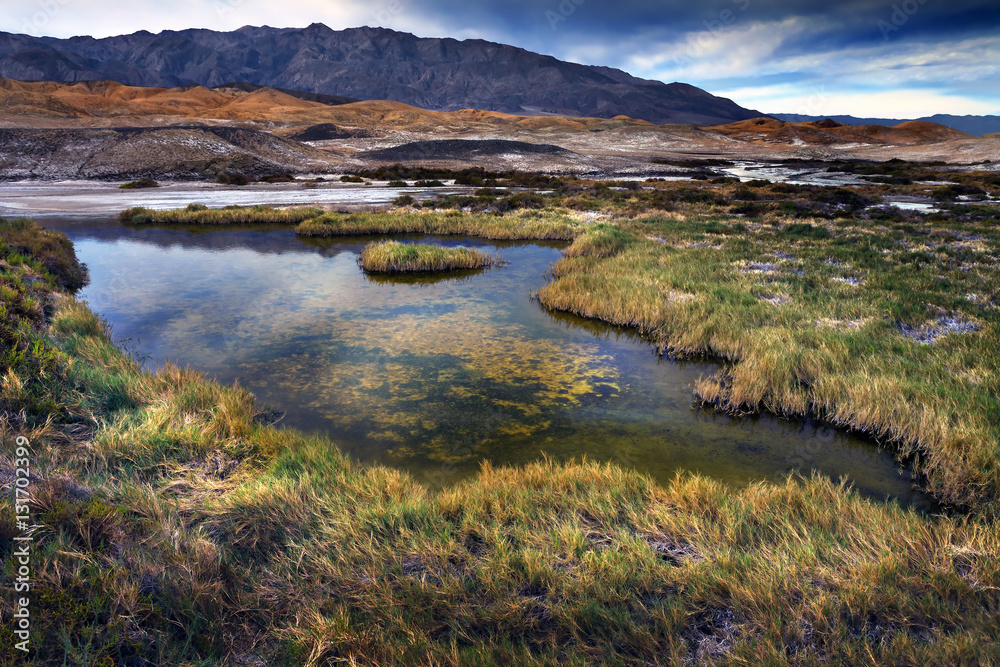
<point x="977" y="125"/>
<point x="367" y="64"/>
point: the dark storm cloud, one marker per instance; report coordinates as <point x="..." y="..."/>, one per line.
<point x="851" y="22"/>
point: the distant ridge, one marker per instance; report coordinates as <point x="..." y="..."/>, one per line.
<point x="366" y="64"/>
<point x="977" y="125"/>
<point x="828" y="132"/>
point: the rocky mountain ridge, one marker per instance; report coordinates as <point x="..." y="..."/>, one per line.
<point x="442" y="74"/>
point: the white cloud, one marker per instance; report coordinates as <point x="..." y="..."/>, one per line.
<point x="733" y="51"/>
<point x="913" y="79"/>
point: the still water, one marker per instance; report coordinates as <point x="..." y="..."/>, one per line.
<point x="435" y="375"/>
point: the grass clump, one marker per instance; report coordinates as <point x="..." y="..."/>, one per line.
<point x="395" y="257"/>
<point x="142" y="183"/>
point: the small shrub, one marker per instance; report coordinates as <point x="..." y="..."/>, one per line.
<point x="956" y="190"/>
<point x="233" y="178"/>
<point x="277" y="178"/>
<point x="140" y="184"/>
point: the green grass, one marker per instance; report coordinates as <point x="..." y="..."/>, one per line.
<point x="33" y="264"/>
<point x="177" y="527"/>
<point x="395" y="257"/>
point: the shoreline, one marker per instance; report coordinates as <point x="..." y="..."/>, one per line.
<point x="592" y="277"/>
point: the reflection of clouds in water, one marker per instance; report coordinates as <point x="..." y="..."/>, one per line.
<point x="112" y="291"/>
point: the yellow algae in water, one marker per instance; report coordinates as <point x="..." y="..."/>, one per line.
<point x="522" y="430"/>
<point x="429" y="381"/>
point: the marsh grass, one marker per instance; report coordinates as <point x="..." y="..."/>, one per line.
<point x="312" y="222"/>
<point x="198" y="214"/>
<point x="525" y="225"/>
<point x="887" y="325"/>
<point x="395" y="257"/>
<point x="602" y="240"/>
<point x="890" y="330"/>
<point x="176" y="527"/>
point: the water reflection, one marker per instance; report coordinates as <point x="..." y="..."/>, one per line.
<point x="435" y="375"/>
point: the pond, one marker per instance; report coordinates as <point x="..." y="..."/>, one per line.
<point x="435" y="375"/>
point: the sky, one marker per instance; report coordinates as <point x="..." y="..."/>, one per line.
<point x="867" y="58"/>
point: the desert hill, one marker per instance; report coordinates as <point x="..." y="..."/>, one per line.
<point x="101" y="99"/>
<point x="977" y="125"/>
<point x="829" y="132"/>
<point x="92" y="102"/>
